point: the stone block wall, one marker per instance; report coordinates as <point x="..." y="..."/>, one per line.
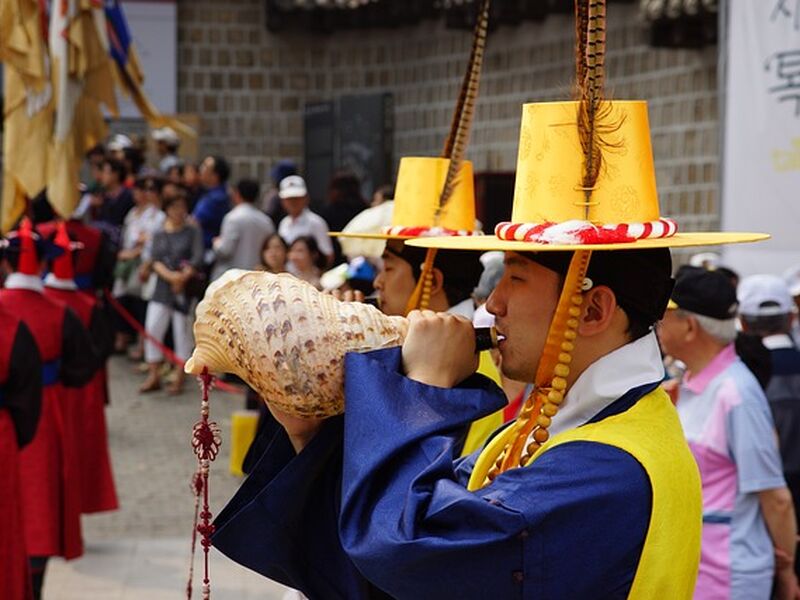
<point x="249" y="87"/>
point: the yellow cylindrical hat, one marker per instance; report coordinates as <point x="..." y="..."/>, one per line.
<point x="420" y="180"/>
<point x="552" y="211"/>
<point x="549" y="166"/>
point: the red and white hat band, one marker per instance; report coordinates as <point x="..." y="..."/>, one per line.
<point x="584" y="232"/>
<point x="403" y="231"/>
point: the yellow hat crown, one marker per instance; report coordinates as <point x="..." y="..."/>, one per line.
<point x="549" y="170"/>
<point x="417" y="194"/>
<point x="551" y="202"/>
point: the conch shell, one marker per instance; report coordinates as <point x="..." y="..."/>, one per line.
<point x="286" y="339"/>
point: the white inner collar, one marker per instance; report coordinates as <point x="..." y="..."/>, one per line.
<point x="20" y="281"/>
<point x="52" y="281"/>
<point x="608" y="379"/>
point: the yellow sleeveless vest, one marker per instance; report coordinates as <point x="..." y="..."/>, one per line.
<point x="651" y="432"/>
<point x="481" y="429"/>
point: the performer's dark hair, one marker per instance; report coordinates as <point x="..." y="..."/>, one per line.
<point x="640" y="280"/>
<point x="461" y="270"/>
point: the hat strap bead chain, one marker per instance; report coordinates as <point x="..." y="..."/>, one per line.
<point x="543" y="403"/>
<point x="421" y="296"/>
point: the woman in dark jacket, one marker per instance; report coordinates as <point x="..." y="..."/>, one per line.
<point x="176" y="255"/>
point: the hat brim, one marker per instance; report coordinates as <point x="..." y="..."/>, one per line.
<point x="484" y="243"/>
<point x="370" y="236"/>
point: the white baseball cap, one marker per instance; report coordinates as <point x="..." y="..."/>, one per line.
<point x="292" y="187"/>
<point x="119" y="142"/>
<point x="707" y="260"/>
<point x="166" y="135"/>
<point x="792" y="278"/>
<point x="764" y="296"/>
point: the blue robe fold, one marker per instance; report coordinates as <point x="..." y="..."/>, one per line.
<point x="376" y="504"/>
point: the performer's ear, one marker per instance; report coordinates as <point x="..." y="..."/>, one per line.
<point x="437" y="281"/>
<point x="598" y="310"/>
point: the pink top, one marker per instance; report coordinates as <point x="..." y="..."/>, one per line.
<point x="731" y="434"/>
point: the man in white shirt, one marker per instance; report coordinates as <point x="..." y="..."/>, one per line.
<point x="243" y="233"/>
<point x="300" y="221"/>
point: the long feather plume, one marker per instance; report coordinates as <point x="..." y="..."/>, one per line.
<point x="456" y="142"/>
<point x="581" y="20"/>
<point x="591" y="44"/>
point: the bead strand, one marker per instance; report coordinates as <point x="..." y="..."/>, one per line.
<point x="555" y="395"/>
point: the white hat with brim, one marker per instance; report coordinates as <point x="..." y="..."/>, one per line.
<point x="764" y="295"/>
<point x="792" y="278"/>
<point x="166" y="135"/>
<point x="293" y="186"/>
<point x="120" y="142"/>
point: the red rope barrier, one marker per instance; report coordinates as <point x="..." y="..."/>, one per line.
<point x="168" y="353"/>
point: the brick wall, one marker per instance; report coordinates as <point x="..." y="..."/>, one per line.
<point x="249" y="87"/>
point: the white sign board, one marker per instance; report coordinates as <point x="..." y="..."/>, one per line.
<point x="761" y="169"/>
<point x="153" y="27"/>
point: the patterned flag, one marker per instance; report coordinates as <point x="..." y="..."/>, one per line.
<point x="83" y="81"/>
<point x="129" y="70"/>
<point x="28" y="110"/>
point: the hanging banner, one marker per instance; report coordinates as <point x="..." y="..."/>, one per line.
<point x="761" y="154"/>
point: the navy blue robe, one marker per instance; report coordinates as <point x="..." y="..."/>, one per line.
<point x="376" y="504"/>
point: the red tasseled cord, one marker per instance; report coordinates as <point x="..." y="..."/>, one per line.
<point x="206" y="441"/>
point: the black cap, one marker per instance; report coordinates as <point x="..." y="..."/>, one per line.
<point x="707" y="293"/>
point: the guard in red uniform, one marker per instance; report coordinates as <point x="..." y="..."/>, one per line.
<point x="50" y="483"/>
<point x="98" y="493"/>
<point x="94" y="266"/>
<point x="20" y="404"/>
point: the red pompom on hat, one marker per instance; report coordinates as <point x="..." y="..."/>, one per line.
<point x="63" y="267"/>
<point x="28" y="256"/>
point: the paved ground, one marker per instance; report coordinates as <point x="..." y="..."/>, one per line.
<point x="142" y="550"/>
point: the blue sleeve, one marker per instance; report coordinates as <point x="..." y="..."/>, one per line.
<point x="412" y="528"/>
<point x="282" y="522"/>
<point x="752" y="439"/>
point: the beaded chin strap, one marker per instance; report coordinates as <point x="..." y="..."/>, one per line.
<point x="421" y="296"/>
<point x="206" y="440"/>
<point x="511" y="448"/>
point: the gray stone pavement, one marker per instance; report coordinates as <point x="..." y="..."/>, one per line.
<point x="142" y="550"/>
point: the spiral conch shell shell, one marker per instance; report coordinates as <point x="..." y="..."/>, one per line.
<point x="286" y="339"/>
